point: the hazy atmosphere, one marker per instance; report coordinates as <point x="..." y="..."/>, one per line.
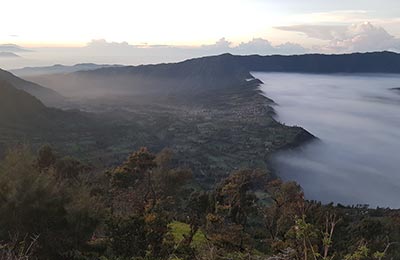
<point x="357" y="121"/>
<point x="136" y="32"/>
<point x="200" y="130"/>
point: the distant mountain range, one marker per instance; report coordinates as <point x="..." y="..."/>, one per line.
<point x="5" y="54"/>
<point x="201" y="108"/>
<point x="190" y="81"/>
<point x="185" y="81"/>
<point x="12" y="48"/>
<point x="397" y="90"/>
<point x="46" y="95"/>
<point x="200" y="75"/>
<point x="59" y="69"/>
<point x="373" y="62"/>
<point x="188" y="77"/>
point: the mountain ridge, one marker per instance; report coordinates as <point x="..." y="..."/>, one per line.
<point x="58" y="69"/>
<point x="359" y="62"/>
<point x="46" y="95"/>
<point x="7" y="54"/>
<point x="200" y="109"/>
<point x="18" y="106"/>
<point x="200" y="75"/>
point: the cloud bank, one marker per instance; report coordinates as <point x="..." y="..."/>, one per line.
<point x="361" y="37"/>
<point x="12" y="48"/>
<point x="358" y="37"/>
<point x="254" y="46"/>
<point x="356" y="119"/>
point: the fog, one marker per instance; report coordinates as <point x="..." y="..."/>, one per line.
<point x="357" y="120"/>
<point x="120" y="86"/>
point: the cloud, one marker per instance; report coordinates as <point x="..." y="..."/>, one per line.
<point x="335" y="17"/>
<point x="12" y="48"/>
<point x="361" y="37"/>
<point x="223" y="45"/>
<point x="322" y="32"/>
<point x="96" y="43"/>
<point x="4" y="54"/>
<point x="291" y="48"/>
<point x="257" y="45"/>
<point x="366" y="37"/>
<point x="264" y="47"/>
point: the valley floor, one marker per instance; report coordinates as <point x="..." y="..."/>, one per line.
<point x="213" y="134"/>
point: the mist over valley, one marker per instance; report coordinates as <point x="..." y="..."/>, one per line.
<point x="356" y="119"/>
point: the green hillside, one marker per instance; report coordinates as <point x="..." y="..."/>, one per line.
<point x="19" y="107"/>
<point x="46" y="95"/>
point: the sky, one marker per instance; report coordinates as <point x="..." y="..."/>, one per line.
<point x="120" y="30"/>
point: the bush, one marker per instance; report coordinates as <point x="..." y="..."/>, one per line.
<point x="35" y="204"/>
<point x="127" y="236"/>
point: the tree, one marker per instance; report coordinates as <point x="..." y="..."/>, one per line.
<point x="286" y="201"/>
<point x="46" y="157"/>
<point x="127" y="236"/>
<point x="138" y="166"/>
<point x="146" y="186"/>
<point x="361" y="253"/>
<point x="199" y="205"/>
<point x="146" y="181"/>
<point x="331" y="220"/>
<point x="292" y="222"/>
<point x="34" y="204"/>
<point x="235" y="201"/>
<point x="132" y="183"/>
<point x="69" y="168"/>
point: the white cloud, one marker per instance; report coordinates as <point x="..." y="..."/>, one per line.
<point x="103" y="51"/>
<point x="365" y="37"/>
<point x="291" y="48"/>
<point x="333" y="17"/>
<point x="221" y="44"/>
<point x="322" y="32"/>
<point x="100" y="43"/>
<point x="254" y="46"/>
<point x="263" y="46"/>
<point x="361" y="37"/>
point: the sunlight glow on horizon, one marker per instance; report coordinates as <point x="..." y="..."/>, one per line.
<point x="74" y="23"/>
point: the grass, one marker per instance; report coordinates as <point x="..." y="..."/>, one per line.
<point x="178" y="229"/>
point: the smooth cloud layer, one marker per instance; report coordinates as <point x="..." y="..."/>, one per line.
<point x="356" y="118"/>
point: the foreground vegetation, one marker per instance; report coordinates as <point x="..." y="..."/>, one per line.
<point x="55" y="207"/>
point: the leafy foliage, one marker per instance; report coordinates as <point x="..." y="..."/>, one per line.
<point x="152" y="209"/>
<point x="35" y="204"/>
